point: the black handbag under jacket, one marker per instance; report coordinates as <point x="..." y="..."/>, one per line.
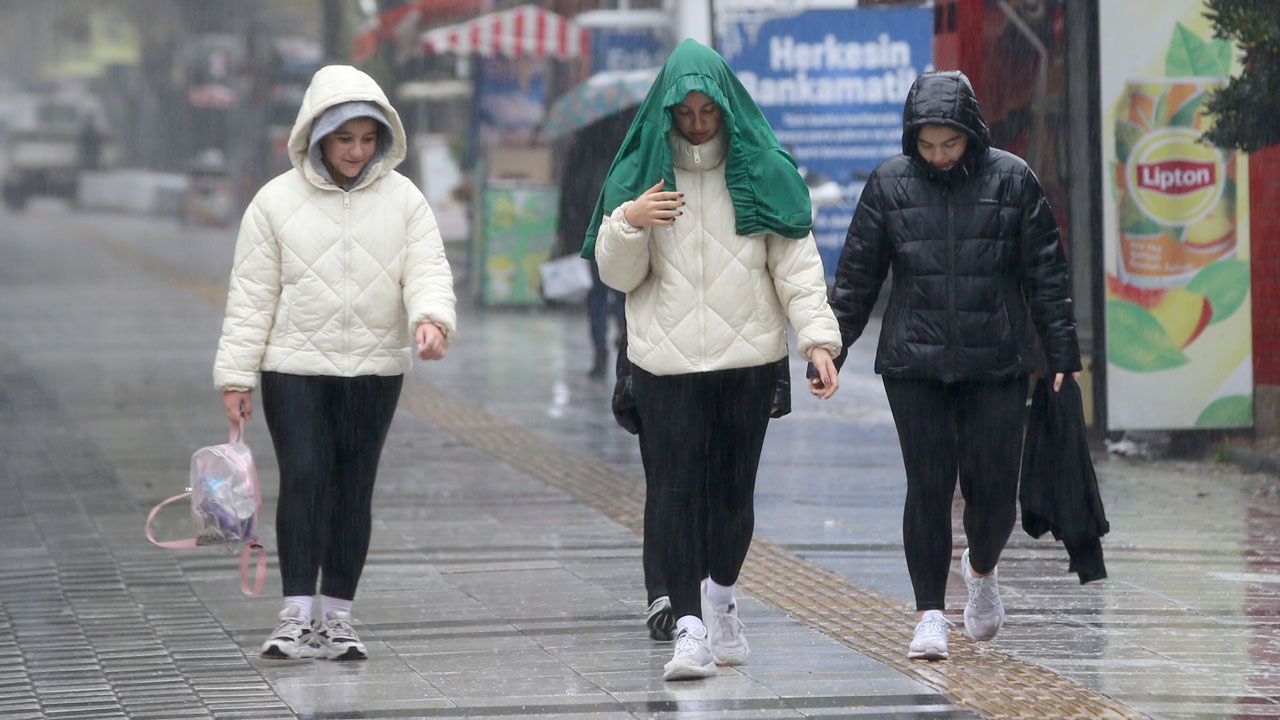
<point x="623" y="402"/>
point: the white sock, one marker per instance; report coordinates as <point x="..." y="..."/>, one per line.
<point x="692" y="623"/>
<point x="329" y="604"/>
<point x="303" y="603"/>
<point x="719" y="595"/>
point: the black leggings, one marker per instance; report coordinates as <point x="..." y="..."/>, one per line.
<point x="652" y="556"/>
<point x="703" y="433"/>
<point x="328" y="434"/>
<point x="973" y="429"/>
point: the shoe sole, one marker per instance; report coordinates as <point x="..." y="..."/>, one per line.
<point x="275" y="653"/>
<point x="689" y="672"/>
<point x="347" y="655"/>
<point x="928" y="655"/>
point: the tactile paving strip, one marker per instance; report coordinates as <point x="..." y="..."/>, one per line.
<point x="978" y="677"/>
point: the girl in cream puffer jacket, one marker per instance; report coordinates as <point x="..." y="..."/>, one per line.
<point x="338" y="263"/>
<point x="330" y="280"/>
<point x="713" y="270"/>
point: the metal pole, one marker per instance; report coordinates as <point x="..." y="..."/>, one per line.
<point x="333" y="51"/>
<point x="693" y="20"/>
<point x="1085" y="187"/>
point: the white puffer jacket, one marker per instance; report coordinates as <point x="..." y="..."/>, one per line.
<point x="700" y="297"/>
<point x="333" y="282"/>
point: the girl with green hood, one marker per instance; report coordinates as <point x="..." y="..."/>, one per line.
<point x="705" y="224"/>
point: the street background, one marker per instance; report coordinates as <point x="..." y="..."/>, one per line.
<point x="504" y="578"/>
<point x="505" y="570"/>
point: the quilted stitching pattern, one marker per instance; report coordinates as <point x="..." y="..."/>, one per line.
<point x="700" y="297"/>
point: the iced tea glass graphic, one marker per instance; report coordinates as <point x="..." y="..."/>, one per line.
<point x="1176" y="194"/>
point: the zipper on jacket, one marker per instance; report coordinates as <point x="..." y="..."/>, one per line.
<point x="951" y="286"/>
<point x="346" y="280"/>
<point x="702" y="279"/>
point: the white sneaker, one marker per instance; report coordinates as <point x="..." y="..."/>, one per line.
<point x="291" y="639"/>
<point x="984" y="613"/>
<point x="337" y="640"/>
<point x="726" y="634"/>
<point x="660" y="619"/>
<point x="692" y="658"/>
<point x="930" y="641"/>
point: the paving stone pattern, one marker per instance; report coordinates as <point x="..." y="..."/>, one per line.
<point x="504" y="579"/>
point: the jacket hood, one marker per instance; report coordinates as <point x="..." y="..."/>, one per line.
<point x="944" y="98"/>
<point x="767" y="191"/>
<point x="333" y="85"/>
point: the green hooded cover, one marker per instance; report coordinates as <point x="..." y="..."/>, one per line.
<point x="768" y="193"/>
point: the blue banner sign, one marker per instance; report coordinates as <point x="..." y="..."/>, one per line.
<point x="625" y="50"/>
<point x="832" y="83"/>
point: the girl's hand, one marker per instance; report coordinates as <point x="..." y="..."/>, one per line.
<point x="825" y="385"/>
<point x="239" y="406"/>
<point x="430" y="341"/>
<point x="1057" y="379"/>
<point x="654" y="207"/>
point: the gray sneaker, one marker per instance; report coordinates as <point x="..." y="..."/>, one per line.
<point x="291" y="640"/>
<point x="337" y="640"/>
<point x="692" y="658"/>
<point x="984" y="613"/>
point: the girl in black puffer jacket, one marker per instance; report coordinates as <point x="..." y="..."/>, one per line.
<point x="973" y="246"/>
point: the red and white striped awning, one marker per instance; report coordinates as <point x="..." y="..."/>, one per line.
<point x="525" y="31"/>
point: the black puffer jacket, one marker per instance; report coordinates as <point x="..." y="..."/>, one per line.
<point x="971" y="248"/>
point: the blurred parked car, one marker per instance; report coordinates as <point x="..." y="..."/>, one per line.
<point x="51" y="140"/>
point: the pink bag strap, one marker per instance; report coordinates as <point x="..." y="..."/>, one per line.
<point x="188" y="543"/>
<point x="260" y="576"/>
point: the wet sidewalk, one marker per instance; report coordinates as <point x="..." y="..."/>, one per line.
<point x="504" y="578"/>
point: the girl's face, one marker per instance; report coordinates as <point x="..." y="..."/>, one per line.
<point x="697" y="117"/>
<point x="941" y="146"/>
<point x="347" y="150"/>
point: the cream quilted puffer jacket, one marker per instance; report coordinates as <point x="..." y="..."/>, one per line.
<point x="333" y="282"/>
<point x="700" y="297"/>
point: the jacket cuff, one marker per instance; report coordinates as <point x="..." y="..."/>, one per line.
<point x="446" y="328"/>
<point x="838" y="359"/>
<point x="238" y="380"/>
<point x="620" y="214"/>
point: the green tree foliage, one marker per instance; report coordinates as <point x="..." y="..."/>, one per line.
<point x="1246" y="108"/>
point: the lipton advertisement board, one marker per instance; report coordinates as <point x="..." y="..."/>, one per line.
<point x="1176" y="246"/>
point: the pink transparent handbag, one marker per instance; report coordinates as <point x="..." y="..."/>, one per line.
<point x="225" y="504"/>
